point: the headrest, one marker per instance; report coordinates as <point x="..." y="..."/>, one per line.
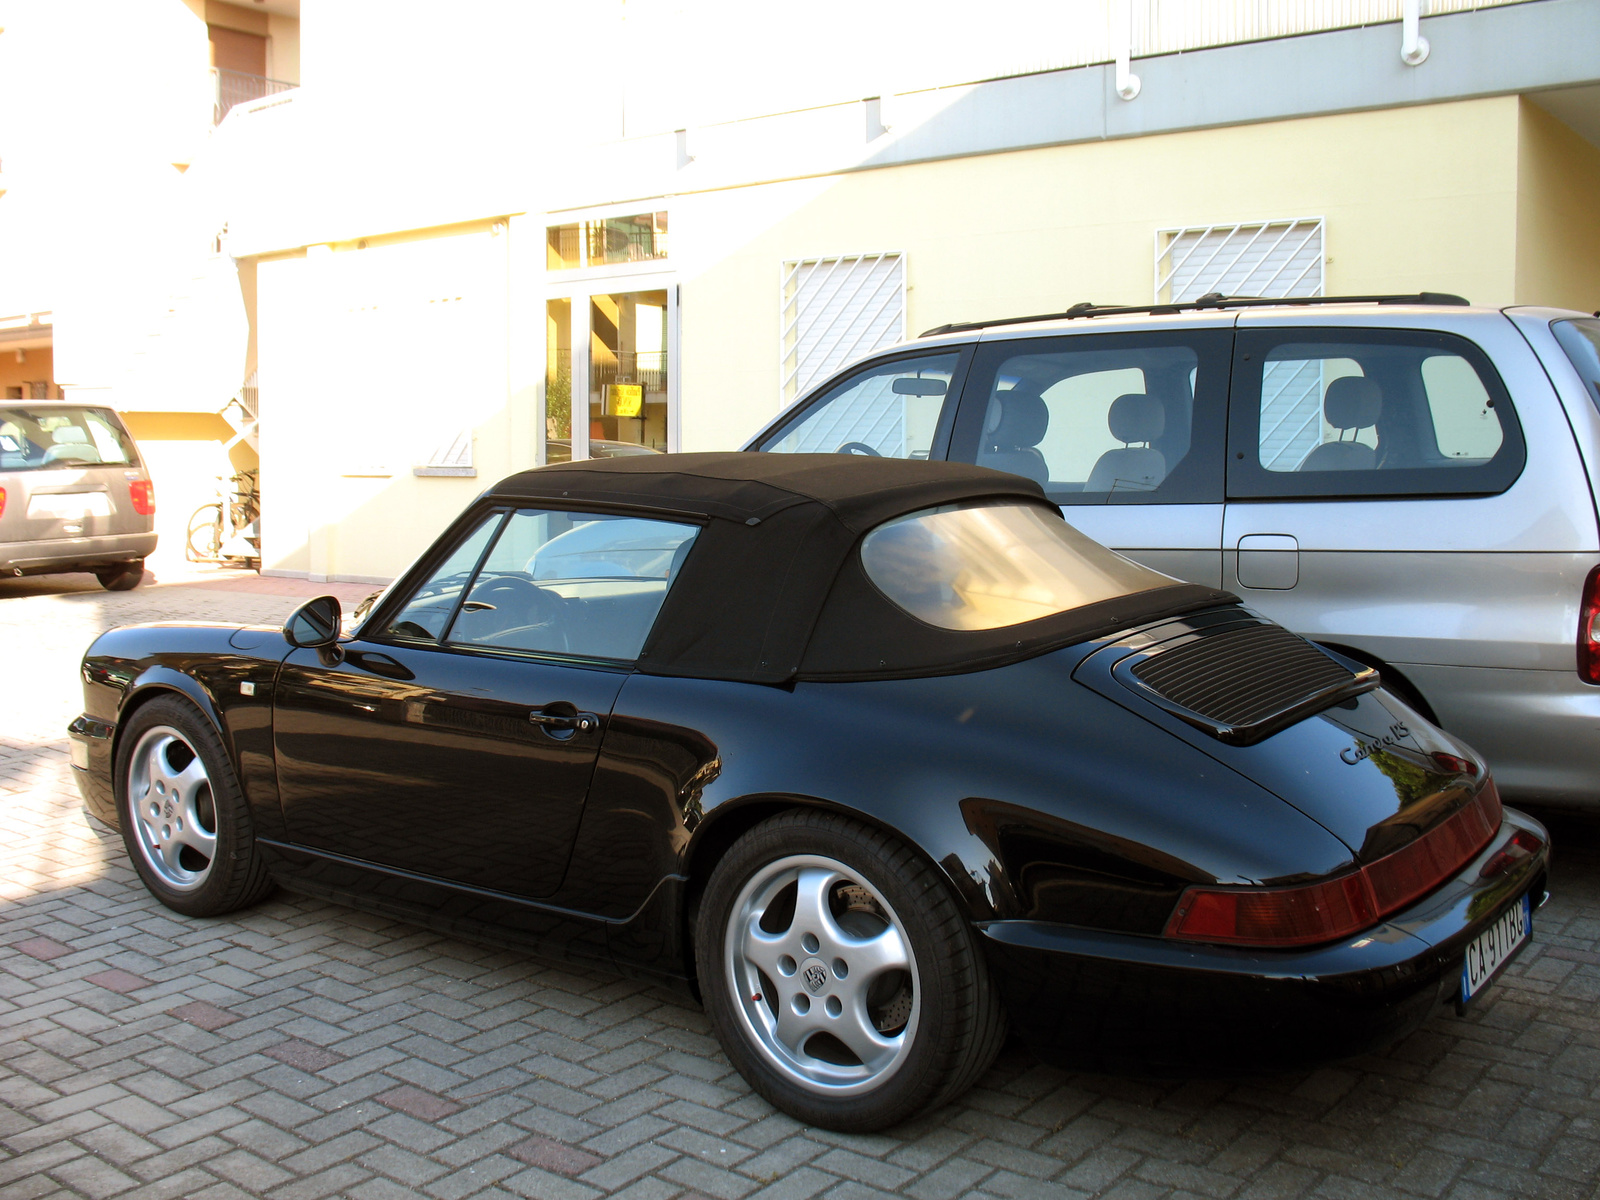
<point x="69" y="434"/>
<point x="1016" y="420"/>
<point x="1352" y="402"/>
<point x="1136" y="417"/>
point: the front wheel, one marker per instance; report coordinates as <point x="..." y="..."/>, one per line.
<point x="839" y="975"/>
<point x="184" y="819"/>
<point x="204" y="540"/>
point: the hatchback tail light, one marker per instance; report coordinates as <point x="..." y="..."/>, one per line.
<point x="1335" y="908"/>
<point x="1589" y="629"/>
<point x="143" y="494"/>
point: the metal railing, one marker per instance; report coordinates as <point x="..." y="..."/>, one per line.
<point x="229" y="88"/>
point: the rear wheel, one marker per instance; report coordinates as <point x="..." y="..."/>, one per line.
<point x="204" y="541"/>
<point x="184" y="820"/>
<point x="839" y="975"/>
<point x="123" y="577"/>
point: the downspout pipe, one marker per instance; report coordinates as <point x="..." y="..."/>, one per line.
<point x="1122" y="45"/>
<point x="1413" y="46"/>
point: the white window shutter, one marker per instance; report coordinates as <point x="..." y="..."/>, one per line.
<point x="1262" y="258"/>
<point x="837" y="309"/>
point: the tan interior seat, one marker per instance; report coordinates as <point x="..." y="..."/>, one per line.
<point x="1135" y="417"/>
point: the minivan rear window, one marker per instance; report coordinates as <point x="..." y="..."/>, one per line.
<point x="1581" y="341"/>
<point x="40" y="438"/>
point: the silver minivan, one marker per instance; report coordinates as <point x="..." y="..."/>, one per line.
<point x="74" y="495"/>
<point x="1410" y="481"/>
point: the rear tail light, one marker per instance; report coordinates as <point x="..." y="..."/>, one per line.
<point x="143" y="494"/>
<point x="1588" y="633"/>
<point x="1335" y="908"/>
<point x="1523" y="844"/>
<point x="2" y="502"/>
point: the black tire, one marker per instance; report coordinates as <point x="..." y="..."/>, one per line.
<point x="203" y="542"/>
<point x="952" y="1025"/>
<point x="123" y="577"/>
<point x="152" y="810"/>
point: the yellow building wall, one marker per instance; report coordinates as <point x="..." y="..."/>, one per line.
<point x="370" y="354"/>
<point x="1558" y="237"/>
<point x="1415" y="199"/>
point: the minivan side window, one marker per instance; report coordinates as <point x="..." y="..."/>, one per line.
<point x="1367" y="413"/>
<point x="1581" y="340"/>
<point x="888" y="410"/>
<point x="1102" y="418"/>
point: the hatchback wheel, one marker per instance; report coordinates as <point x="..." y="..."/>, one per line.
<point x="123" y="577"/>
<point x="184" y="820"/>
<point x="840" y="977"/>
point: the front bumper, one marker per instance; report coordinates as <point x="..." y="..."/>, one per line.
<point x="74" y="554"/>
<point x="1082" y="998"/>
<point x="89" y="742"/>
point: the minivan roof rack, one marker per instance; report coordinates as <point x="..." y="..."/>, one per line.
<point x="1208" y="301"/>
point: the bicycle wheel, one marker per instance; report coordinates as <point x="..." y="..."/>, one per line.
<point x="204" y="542"/>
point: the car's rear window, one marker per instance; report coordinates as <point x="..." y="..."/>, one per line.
<point x="990" y="565"/>
<point x="1581" y="341"/>
<point x="58" y="436"/>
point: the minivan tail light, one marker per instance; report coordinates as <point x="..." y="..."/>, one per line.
<point x="2" y="502"/>
<point x="143" y="494"/>
<point x="1588" y="634"/>
<point x="1331" y="909"/>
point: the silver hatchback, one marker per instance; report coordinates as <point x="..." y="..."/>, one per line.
<point x="1410" y="481"/>
<point x="74" y="495"/>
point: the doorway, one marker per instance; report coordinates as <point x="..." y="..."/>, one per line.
<point x="610" y="378"/>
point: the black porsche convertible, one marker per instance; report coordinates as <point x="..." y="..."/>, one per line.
<point x="873" y="756"/>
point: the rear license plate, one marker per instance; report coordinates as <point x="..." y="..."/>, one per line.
<point x="67" y="506"/>
<point x="1492" y="948"/>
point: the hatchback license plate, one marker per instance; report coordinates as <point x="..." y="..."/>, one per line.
<point x="1491" y="949"/>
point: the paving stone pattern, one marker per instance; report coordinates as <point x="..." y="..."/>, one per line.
<point x="302" y="1050"/>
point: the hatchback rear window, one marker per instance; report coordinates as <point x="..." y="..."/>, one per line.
<point x="56" y="436"/>
<point x="987" y="566"/>
<point x="1581" y="341"/>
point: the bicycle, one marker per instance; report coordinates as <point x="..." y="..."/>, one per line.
<point x="228" y="529"/>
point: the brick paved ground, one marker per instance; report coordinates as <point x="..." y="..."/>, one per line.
<point x="303" y="1050"/>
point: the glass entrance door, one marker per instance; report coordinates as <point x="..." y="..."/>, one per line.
<point x="608" y="380"/>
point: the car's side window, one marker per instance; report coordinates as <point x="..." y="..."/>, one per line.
<point x="584" y="584"/>
<point x="1368" y="412"/>
<point x="425" y="615"/>
<point x="1102" y="419"/>
<point x="888" y="410"/>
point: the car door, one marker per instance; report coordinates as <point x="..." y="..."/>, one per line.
<point x="897" y="407"/>
<point x="1124" y="430"/>
<point x="1386" y="495"/>
<point x="457" y="739"/>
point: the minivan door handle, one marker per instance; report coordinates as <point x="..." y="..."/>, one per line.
<point x="1268" y="561"/>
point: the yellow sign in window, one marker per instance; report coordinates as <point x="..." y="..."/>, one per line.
<point x="623" y="399"/>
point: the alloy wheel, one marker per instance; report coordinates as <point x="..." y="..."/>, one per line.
<point x="175" y="812"/>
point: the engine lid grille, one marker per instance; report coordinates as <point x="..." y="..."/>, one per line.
<point x="1244" y="682"/>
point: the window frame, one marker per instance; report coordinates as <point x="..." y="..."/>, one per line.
<point x="1249" y="480"/>
<point x="1208" y="420"/>
<point x="372" y="629"/>
<point x="801" y="410"/>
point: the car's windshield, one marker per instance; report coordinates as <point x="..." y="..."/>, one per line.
<point x="988" y="565"/>
<point x="57" y="436"/>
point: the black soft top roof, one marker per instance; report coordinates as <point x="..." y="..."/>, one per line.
<point x="773" y="590"/>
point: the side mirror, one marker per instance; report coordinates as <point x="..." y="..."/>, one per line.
<point x="314" y="625"/>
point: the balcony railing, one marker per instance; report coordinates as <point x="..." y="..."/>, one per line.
<point x="237" y="87"/>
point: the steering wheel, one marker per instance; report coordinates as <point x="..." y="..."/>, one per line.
<point x="514" y="600"/>
<point x="858" y="448"/>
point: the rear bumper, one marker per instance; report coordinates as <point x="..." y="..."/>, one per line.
<point x="1084" y="999"/>
<point x="1539" y="730"/>
<point x="74" y="554"/>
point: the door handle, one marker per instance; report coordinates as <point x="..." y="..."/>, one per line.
<point x="379" y="664"/>
<point x="563" y="717"/>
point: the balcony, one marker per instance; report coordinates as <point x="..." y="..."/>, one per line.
<point x="235" y="87"/>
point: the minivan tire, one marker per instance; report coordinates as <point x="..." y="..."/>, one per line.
<point x="123" y="577"/>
